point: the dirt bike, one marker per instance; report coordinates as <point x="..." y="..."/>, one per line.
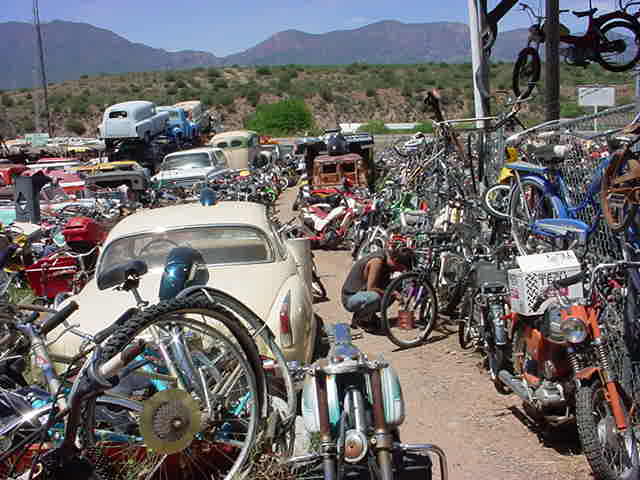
<point x="566" y="366"/>
<point x="356" y="407"/>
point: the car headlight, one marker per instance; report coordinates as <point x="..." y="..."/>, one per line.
<point x="574" y="330"/>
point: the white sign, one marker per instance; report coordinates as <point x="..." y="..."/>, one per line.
<point x="548" y="261"/>
<point x="37" y="139"/>
<point x="596" y="96"/>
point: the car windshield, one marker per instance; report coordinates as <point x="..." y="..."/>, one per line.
<point x="219" y="245"/>
<point x="186" y="161"/>
<point x="118" y="114"/>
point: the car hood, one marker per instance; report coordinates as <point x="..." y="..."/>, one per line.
<point x="256" y="285"/>
<point x="188" y="173"/>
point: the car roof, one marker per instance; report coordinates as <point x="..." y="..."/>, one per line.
<point x="131" y="104"/>
<point x="193" y="150"/>
<point x="176" y="216"/>
<point x="234" y="133"/>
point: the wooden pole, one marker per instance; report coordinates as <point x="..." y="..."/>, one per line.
<point x="552" y="60"/>
<point x="479" y="65"/>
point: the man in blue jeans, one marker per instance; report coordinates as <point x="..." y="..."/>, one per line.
<point x="364" y="287"/>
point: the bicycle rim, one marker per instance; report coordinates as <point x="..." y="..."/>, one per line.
<point x="198" y="373"/>
<point x="409" y="320"/>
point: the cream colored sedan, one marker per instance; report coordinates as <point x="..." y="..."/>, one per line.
<point x="245" y="256"/>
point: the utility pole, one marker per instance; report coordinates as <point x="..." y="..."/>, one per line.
<point x="40" y="56"/>
<point x="479" y="64"/>
<point x="552" y="60"/>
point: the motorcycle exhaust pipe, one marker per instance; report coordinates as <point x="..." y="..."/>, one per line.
<point x="516" y="385"/>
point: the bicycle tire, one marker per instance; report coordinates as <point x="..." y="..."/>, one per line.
<point x="634" y="34"/>
<point x="515" y="207"/>
<point x="618" y="166"/>
<point x="532" y="77"/>
<point x="488" y="201"/>
<point x="153" y="316"/>
<point x="387" y="300"/>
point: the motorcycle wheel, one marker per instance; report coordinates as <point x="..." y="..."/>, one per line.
<point x="619" y="48"/>
<point x="611" y="455"/>
<point x="369" y="247"/>
<point x="526" y="73"/>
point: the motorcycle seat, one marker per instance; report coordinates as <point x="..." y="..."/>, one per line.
<point x="584" y="13"/>
<point x="333" y="199"/>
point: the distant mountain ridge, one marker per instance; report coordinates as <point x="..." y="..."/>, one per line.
<point x="73" y="49"/>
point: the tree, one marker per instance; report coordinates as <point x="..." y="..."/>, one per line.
<point x="286" y="117"/>
<point x="75" y="126"/>
<point x="7" y="101"/>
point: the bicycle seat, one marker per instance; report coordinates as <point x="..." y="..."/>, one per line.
<point x="550" y="154"/>
<point x="117" y="275"/>
<point x="585" y="13"/>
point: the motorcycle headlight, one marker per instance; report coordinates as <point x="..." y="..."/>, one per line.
<point x="574" y="330"/>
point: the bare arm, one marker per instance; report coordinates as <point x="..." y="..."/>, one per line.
<point x="373" y="272"/>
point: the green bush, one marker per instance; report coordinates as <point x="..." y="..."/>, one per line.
<point x="84" y="77"/>
<point x="7" y="101"/>
<point x="213" y="73"/>
<point x="327" y="95"/>
<point x="263" y="71"/>
<point x="371" y="92"/>
<point x="286" y="117"/>
<point x="571" y="110"/>
<point x="181" y="84"/>
<point x="375" y="127"/>
<point x="75" y="126"/>
<point x="253" y="97"/>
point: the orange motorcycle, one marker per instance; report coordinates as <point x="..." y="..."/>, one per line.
<point x="569" y="365"/>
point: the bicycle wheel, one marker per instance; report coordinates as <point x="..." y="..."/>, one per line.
<point x="496" y="201"/>
<point x="526" y="73"/>
<point x="199" y="397"/>
<point x="409" y="309"/>
<point x="527" y="204"/>
<point x="619" y="48"/>
<point x="619" y="178"/>
<point x="469" y="327"/>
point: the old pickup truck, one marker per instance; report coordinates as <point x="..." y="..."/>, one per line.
<point x="132" y="120"/>
<point x="179" y="127"/>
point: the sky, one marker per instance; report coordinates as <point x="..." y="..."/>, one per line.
<point x="223" y="27"/>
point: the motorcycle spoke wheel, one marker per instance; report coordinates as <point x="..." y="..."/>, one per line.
<point x="208" y="383"/>
<point x="619" y="48"/>
<point x="496" y="201"/>
<point x="526" y="73"/>
<point x="619" y="182"/>
<point x="611" y="454"/>
<point x="470" y="327"/>
<point x="409" y="319"/>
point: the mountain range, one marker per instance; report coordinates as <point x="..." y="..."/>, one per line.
<point x="73" y="49"/>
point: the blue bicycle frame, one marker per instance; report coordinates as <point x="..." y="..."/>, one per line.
<point x="551" y="182"/>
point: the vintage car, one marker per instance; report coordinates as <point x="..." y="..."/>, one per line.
<point x="241" y="147"/>
<point x="186" y="168"/>
<point x="332" y="171"/>
<point x="196" y="113"/>
<point x="137" y="119"/>
<point x="180" y="128"/>
<point x="245" y="256"/>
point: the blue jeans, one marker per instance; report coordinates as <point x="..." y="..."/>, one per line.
<point x="363" y="304"/>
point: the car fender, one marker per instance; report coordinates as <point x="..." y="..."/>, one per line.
<point x="302" y="318"/>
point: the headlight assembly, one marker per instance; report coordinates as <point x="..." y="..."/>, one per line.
<point x="574" y="330"/>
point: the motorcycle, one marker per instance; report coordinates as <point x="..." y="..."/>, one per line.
<point x="567" y="366"/>
<point x="356" y="406"/>
<point x="328" y="215"/>
<point x="369" y="230"/>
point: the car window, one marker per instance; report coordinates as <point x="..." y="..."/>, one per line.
<point x="185" y="161"/>
<point x="222" y="145"/>
<point x="118" y="114"/>
<point x="222" y="159"/>
<point x="219" y="245"/>
<point x="236" y="142"/>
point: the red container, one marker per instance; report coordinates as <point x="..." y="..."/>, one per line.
<point x="52" y="275"/>
<point x="83" y="233"/>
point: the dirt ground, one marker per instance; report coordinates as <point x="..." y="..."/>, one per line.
<point x="451" y="402"/>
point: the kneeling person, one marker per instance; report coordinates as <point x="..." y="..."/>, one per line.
<point x="364" y="287"/>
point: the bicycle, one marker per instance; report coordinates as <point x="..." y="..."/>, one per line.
<point x="542" y="217"/>
<point x="185" y="357"/>
<point x="605" y="36"/>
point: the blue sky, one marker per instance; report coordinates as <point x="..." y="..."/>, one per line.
<point x="223" y="27"/>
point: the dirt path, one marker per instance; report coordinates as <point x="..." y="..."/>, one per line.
<point x="451" y="402"/>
